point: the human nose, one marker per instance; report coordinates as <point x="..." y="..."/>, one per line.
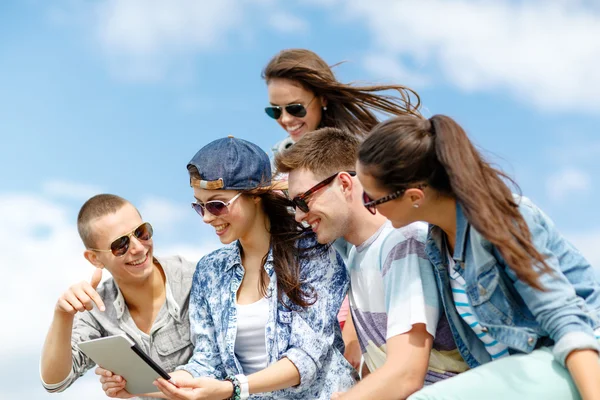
<point x="285" y="117"/>
<point x="207" y="217"/>
<point x="135" y="245"/>
<point x="299" y="215"/>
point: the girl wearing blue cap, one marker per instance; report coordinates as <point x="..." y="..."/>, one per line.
<point x="263" y="307"/>
<point x="522" y="302"/>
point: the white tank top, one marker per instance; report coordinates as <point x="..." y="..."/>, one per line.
<point x="250" y="346"/>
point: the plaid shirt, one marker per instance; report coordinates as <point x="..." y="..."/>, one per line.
<point x="169" y="340"/>
<point x="310" y="338"/>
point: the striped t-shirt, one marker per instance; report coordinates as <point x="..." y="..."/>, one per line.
<point x="461" y="302"/>
<point x="392" y="288"/>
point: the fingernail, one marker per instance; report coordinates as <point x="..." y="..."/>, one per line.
<point x="102" y="308"/>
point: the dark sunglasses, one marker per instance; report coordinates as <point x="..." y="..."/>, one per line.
<point x="295" y="110"/>
<point x="300" y="201"/>
<point x="370" y="204"/>
<point x="120" y="246"/>
<point x="215" y="207"/>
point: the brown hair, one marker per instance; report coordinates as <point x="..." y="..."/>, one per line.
<point x="285" y="232"/>
<point x="349" y="107"/>
<point x="324" y="152"/>
<point x="96" y="207"/>
<point x="404" y="152"/>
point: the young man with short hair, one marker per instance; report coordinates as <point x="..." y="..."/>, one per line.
<point x="146" y="298"/>
<point x="393" y="296"/>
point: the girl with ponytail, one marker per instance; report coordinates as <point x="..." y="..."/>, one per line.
<point x="515" y="291"/>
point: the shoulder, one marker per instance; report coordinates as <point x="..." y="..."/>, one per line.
<point x="177" y="267"/>
<point x="401" y="242"/>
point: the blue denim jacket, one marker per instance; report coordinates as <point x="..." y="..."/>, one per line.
<point x="310" y="338"/>
<point x="514" y="313"/>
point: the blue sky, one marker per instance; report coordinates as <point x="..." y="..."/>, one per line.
<point x="117" y="96"/>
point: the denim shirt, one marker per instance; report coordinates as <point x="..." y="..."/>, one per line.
<point x="310" y="338"/>
<point x="514" y="313"/>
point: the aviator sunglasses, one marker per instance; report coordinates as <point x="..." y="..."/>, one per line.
<point x="120" y="245"/>
<point x="296" y="110"/>
<point x="215" y="207"/>
<point x="300" y="201"/>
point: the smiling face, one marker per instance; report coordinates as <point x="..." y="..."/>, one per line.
<point x="239" y="219"/>
<point x="329" y="211"/>
<point x="137" y="264"/>
<point x="283" y="92"/>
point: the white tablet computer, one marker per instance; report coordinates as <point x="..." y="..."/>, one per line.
<point x="122" y="356"/>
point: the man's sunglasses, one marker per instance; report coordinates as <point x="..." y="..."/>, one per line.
<point x="300" y="201"/>
<point x="120" y="245"/>
<point x="295" y="110"/>
<point x="370" y="204"/>
<point x="215" y="207"/>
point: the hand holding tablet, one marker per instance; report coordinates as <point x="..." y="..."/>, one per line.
<point x="120" y="355"/>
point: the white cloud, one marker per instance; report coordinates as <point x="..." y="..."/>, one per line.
<point x="151" y="27"/>
<point x="70" y="190"/>
<point x="542" y="52"/>
<point x="285" y="22"/>
<point x="385" y="66"/>
<point x="569" y="181"/>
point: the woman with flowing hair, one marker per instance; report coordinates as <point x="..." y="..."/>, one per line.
<point x="523" y="303"/>
<point x="304" y="95"/>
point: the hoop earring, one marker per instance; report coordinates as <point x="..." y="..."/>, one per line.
<point x="415" y="205"/>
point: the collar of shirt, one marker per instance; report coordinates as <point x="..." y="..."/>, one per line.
<point x="234" y="259"/>
<point x="172" y="306"/>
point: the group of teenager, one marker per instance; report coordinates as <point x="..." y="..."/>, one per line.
<point x="458" y="288"/>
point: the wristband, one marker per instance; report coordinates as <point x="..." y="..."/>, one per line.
<point x="244" y="388"/>
<point x="236" y="387"/>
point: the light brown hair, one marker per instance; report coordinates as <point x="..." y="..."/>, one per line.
<point x="96" y="207"/>
<point x="324" y="152"/>
<point x="350" y="107"/>
<point x="404" y="152"/>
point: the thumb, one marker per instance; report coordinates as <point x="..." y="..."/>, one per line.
<point x="96" y="278"/>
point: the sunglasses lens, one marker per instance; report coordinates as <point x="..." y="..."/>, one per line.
<point x="198" y="208"/>
<point x="273" y="112"/>
<point x="301" y="204"/>
<point x="367" y="199"/>
<point x="120" y="246"/>
<point x="144" y="232"/>
<point x="216" y="208"/>
<point x="297" y="110"/>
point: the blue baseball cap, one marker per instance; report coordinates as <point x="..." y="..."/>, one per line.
<point x="232" y="164"/>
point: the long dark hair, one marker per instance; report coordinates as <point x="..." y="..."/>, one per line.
<point x="406" y="151"/>
<point x="285" y="233"/>
<point x="349" y="107"/>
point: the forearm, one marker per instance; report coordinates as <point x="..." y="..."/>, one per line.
<point x="281" y="375"/>
<point x="386" y="383"/>
<point x="585" y="371"/>
<point x="57" y="359"/>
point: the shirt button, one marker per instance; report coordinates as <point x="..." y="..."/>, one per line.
<point x="484" y="329"/>
<point x="530" y="341"/>
<point x="482" y="291"/>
